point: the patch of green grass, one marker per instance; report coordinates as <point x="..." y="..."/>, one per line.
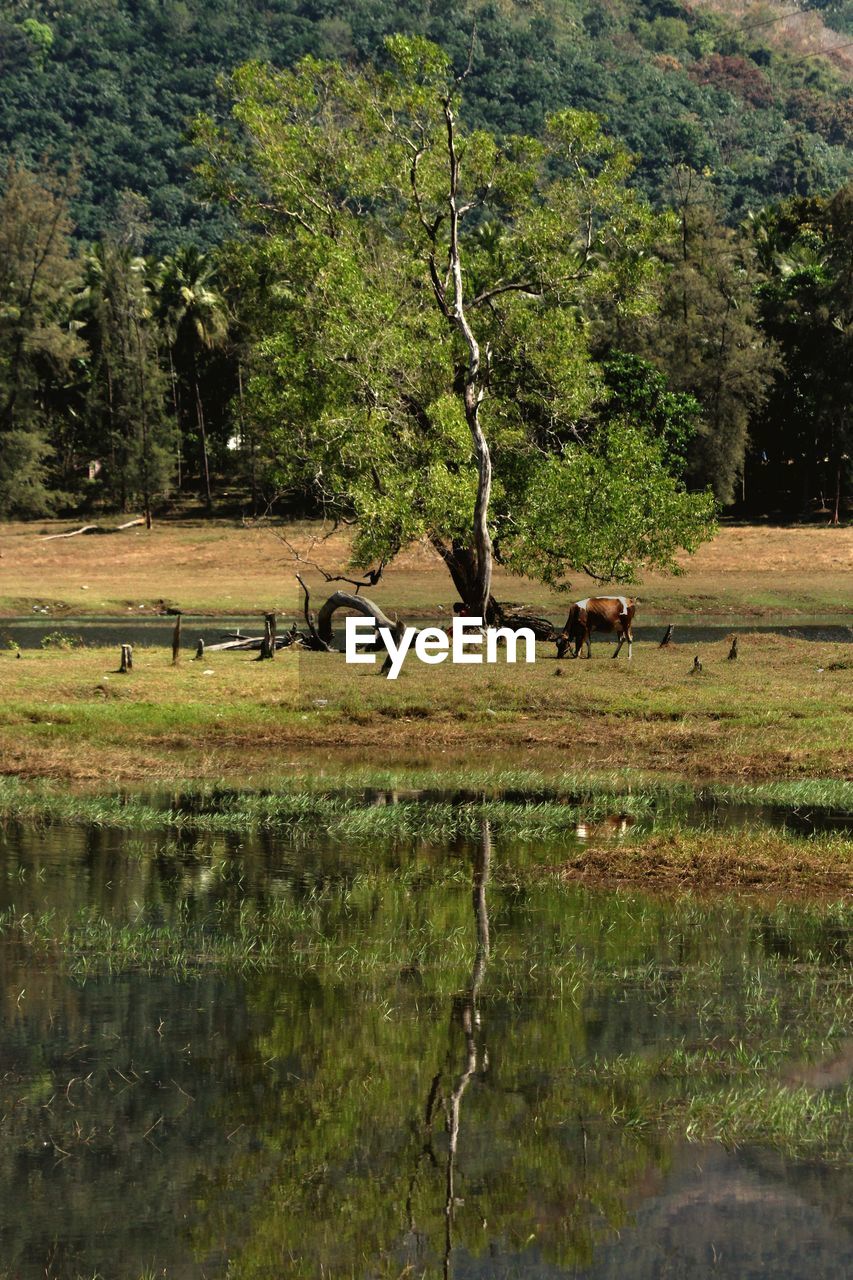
<point x="833" y="794"/>
<point x="424" y="804"/>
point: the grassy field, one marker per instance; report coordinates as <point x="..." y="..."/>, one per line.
<point x="778" y="715"/>
<point x="217" y="567"/>
<point x="781" y="711"/>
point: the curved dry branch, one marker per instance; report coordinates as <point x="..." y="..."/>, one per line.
<point x="359" y="604"/>
<point x="317" y="640"/>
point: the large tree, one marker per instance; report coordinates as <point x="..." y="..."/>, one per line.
<point x="128" y="426"/>
<point x="422" y="361"/>
<point x="192" y="315"/>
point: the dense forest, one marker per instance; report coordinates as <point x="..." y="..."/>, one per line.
<point x="114" y="83"/>
<point x="168" y="334"/>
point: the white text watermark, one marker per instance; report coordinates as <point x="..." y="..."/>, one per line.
<point x="468" y="642"/>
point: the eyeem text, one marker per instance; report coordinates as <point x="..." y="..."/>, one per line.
<point x="433" y="645"/>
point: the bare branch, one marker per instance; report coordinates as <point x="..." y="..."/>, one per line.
<point x="309" y="618"/>
<point x="520" y="286"/>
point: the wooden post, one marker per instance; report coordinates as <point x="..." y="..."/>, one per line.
<point x="176" y="642"/>
<point x="126" y="659"/>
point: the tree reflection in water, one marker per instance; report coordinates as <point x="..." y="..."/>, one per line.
<point x="465" y="1014"/>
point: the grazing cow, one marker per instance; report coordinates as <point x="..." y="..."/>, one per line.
<point x="597" y="613"/>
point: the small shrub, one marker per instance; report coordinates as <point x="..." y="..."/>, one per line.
<point x="61" y="640"/>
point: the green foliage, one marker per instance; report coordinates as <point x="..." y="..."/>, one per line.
<point x="638" y="390"/>
<point x="334" y="374"/>
<point x="358" y="367"/>
<point x="24" y="474"/>
<point x="127" y="387"/>
<point x="707" y="336"/>
<point x="672" y="82"/>
<point x="803" y="445"/>
<point x="37" y="345"/>
<point x="40" y="36"/>
<point x="607" y="507"/>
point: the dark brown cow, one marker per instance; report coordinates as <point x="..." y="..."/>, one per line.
<point x="597" y="613"/>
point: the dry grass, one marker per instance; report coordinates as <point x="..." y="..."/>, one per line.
<point x="222" y="568"/>
<point x="799" y="33"/>
<point x="750" y="862"/>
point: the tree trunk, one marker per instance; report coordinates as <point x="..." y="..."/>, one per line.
<point x="461" y="563"/>
<point x="176" y="642"/>
<point x="174" y="380"/>
<point x="473" y="394"/>
<point x="199" y="409"/>
<point x="253" y="479"/>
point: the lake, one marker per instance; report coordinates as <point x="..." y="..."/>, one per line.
<point x="40" y="629"/>
<point x="260" y="1054"/>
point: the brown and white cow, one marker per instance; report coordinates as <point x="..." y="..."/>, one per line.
<point x="597" y="613"/>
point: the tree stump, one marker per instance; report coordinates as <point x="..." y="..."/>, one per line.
<point x="176" y="642"/>
<point x="268" y="643"/>
<point x="126" y="659"/>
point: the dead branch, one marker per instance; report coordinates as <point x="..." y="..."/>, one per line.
<point x="316" y="641"/>
<point x="95" y="528"/>
<point x="359" y="604"/>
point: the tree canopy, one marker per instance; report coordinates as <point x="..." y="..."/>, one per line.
<point x="393" y="237"/>
<point x="287" y="369"/>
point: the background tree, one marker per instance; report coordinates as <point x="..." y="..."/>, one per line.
<point x="803" y="443"/>
<point x="421" y="274"/>
<point x="37" y="344"/>
<point x="707" y="338"/>
<point x="194" y="322"/>
<point x="126" y="406"/>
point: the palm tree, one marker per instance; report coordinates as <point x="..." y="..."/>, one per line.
<point x="194" y="319"/>
<point x="115" y="308"/>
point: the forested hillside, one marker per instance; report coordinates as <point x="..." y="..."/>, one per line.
<point x="726" y="88"/>
<point x="221" y="281"/>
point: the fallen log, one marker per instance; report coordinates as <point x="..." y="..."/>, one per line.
<point x="516" y="619"/>
<point x="246" y="643"/>
<point x="95" y="528"/>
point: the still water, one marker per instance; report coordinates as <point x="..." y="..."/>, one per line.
<point x="433" y="1062"/>
<point x="39" y="630"/>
